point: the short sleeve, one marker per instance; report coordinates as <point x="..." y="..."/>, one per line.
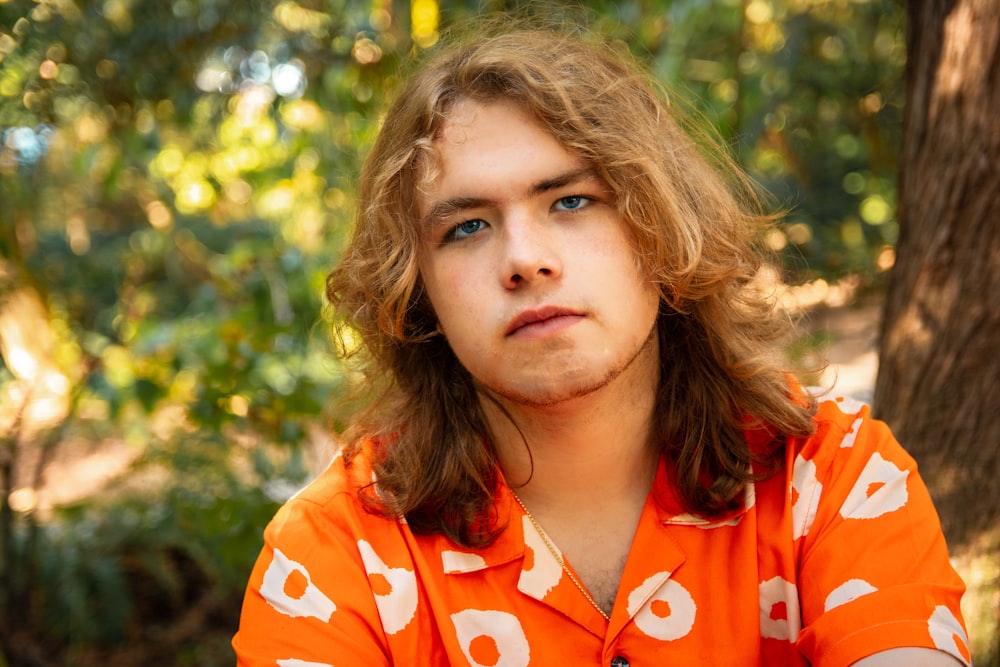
<point x="309" y="600"/>
<point x="874" y="568"/>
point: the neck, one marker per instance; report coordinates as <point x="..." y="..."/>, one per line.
<point x="593" y="450"/>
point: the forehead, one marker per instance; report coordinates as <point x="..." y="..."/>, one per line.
<point x="486" y="145"/>
<point x="488" y="128"/>
<point x="467" y="113"/>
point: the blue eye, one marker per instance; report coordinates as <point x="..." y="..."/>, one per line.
<point x="465" y="229"/>
<point x="572" y="203"/>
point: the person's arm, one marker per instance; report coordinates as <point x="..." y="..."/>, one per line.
<point x="912" y="657"/>
<point x="309" y="600"/>
<point x="875" y="577"/>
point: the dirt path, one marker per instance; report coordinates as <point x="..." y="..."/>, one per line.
<point x="851" y="349"/>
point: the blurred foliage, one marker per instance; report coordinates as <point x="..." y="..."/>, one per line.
<point x="176" y="178"/>
<point x="112" y="571"/>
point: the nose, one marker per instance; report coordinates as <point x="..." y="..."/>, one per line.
<point x="530" y="252"/>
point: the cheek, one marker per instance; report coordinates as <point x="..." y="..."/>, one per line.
<point x="453" y="298"/>
<point x="633" y="290"/>
<point x="433" y="281"/>
<point x="619" y="258"/>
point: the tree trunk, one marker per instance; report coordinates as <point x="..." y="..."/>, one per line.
<point x="939" y="377"/>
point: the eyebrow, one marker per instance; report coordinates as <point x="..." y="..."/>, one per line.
<point x="447" y="207"/>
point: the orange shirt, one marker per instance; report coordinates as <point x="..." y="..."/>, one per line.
<point x="838" y="556"/>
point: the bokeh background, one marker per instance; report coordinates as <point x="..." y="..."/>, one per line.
<point x="177" y="177"/>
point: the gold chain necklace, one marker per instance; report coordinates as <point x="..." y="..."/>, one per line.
<point x="559" y="559"/>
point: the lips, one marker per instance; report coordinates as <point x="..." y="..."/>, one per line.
<point x="541" y="318"/>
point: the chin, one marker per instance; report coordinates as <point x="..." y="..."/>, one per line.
<point x="551" y="394"/>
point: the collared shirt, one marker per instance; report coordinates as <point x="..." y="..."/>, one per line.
<point x="837" y="556"/>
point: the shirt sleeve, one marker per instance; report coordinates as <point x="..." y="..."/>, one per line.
<point x="309" y="602"/>
<point x="874" y="568"/>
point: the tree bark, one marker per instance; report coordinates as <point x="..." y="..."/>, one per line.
<point x="939" y="376"/>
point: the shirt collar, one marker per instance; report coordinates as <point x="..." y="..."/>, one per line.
<point x="508" y="545"/>
<point x="671" y="511"/>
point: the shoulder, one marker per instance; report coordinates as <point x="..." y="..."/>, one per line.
<point x="850" y="466"/>
<point x="345" y="475"/>
<point x="333" y="501"/>
<point x="873" y="568"/>
<point x="839" y="420"/>
<point x="319" y="552"/>
<point x="846" y="434"/>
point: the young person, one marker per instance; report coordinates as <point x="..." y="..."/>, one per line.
<point x="581" y="449"/>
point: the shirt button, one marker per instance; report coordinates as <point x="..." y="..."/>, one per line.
<point x="619" y="661"/>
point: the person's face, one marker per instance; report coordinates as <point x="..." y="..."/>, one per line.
<point x="527" y="263"/>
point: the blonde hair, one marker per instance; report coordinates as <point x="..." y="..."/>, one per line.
<point x="694" y="220"/>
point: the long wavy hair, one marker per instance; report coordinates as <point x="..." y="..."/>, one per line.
<point x="695" y="222"/>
